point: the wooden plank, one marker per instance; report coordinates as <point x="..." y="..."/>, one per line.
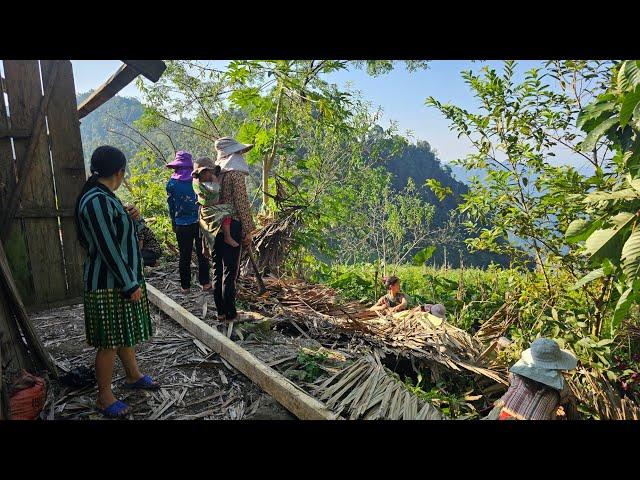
<point x="15" y="244"/>
<point x="31" y="309"/>
<point x="68" y="168"/>
<point x="109" y="89"/>
<point x="15" y="305"/>
<point x="280" y="388"/>
<point x="7" y="173"/>
<point x="28" y="108"/>
<point x="151" y="69"/>
<point x="14" y="352"/>
<point x="35" y="182"/>
<point x="9" y="133"/>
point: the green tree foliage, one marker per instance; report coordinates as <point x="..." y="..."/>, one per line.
<point x="520" y="206"/>
<point x="609" y="225"/>
<point x="322" y="143"/>
<point x="193" y="104"/>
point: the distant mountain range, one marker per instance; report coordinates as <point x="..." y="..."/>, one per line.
<point x="97" y="128"/>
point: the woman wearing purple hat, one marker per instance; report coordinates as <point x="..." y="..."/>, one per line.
<point x="183" y="209"/>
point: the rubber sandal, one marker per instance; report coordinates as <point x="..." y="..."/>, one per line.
<point x="117" y="409"/>
<point x="145" y="383"/>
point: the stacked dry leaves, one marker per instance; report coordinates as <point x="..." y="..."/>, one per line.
<point x="365" y="390"/>
<point x="593" y="389"/>
<point x="407" y="334"/>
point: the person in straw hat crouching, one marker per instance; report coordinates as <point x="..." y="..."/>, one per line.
<point x="226" y="257"/>
<point x="537" y="387"/>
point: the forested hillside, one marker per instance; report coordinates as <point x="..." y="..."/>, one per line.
<point x="99" y="127"/>
<point x="115" y="124"/>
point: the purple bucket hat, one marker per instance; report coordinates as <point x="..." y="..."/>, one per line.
<point x="183" y="160"/>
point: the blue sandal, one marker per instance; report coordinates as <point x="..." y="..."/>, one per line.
<point x="117" y="409"/>
<point x="145" y="383"/>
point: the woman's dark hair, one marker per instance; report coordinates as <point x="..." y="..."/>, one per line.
<point x="388" y="281"/>
<point x="216" y="170"/>
<point x="105" y="162"/>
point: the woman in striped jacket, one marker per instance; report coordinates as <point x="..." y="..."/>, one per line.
<point x="115" y="301"/>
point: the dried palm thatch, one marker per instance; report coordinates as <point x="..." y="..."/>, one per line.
<point x="301" y="300"/>
<point x="443" y="344"/>
<point x="408" y="334"/>
<point x="274" y="239"/>
<point x="496" y="325"/>
<point x="365" y="390"/>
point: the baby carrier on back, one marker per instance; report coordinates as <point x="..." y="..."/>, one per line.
<point x="211" y="212"/>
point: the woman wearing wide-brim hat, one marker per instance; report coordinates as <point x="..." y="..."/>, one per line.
<point x="537" y="386"/>
<point x="233" y="191"/>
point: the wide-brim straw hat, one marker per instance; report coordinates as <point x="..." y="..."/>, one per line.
<point x="546" y="353"/>
<point x="226" y="146"/>
<point x="203" y="163"/>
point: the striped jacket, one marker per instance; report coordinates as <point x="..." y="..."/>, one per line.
<point x="113" y="259"/>
<point x="523" y="402"/>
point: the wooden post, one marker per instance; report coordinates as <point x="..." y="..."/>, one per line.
<point x="152" y="69"/>
<point x="68" y="168"/>
<point x="285" y="392"/>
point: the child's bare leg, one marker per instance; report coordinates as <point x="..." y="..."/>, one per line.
<point x="227" y="236"/>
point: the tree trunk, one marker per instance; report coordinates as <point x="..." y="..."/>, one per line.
<point x="268" y="162"/>
<point x="265" y="184"/>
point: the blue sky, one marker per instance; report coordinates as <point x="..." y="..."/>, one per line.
<point x="400" y="94"/>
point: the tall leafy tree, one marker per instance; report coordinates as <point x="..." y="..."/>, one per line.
<point x="520" y="207"/>
<point x="609" y="225"/>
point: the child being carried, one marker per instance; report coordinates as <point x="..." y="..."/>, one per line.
<point x="213" y="214"/>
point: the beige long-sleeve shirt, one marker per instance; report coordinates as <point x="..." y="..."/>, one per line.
<point x="234" y="192"/>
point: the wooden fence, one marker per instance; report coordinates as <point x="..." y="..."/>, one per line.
<point x="41" y="173"/>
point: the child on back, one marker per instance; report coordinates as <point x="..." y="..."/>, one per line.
<point x="213" y="214"/>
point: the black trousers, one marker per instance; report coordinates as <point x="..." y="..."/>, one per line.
<point x="225" y="267"/>
<point x="189" y="236"/>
